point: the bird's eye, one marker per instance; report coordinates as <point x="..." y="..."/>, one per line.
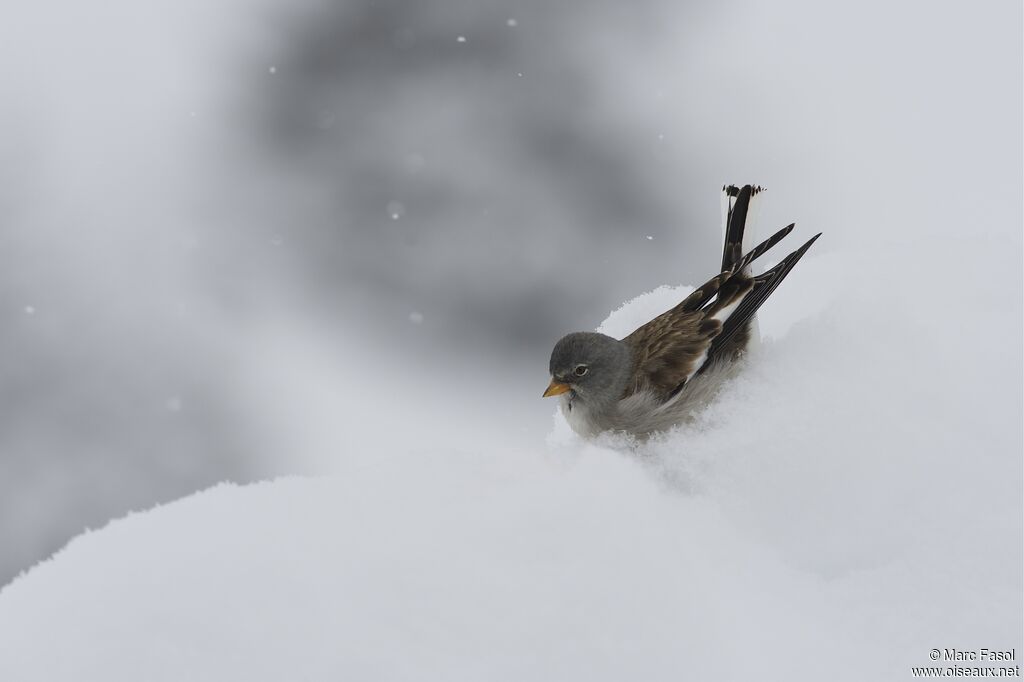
<point x="580" y="370"/>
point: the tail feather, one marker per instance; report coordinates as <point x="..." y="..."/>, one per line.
<point x="738" y="204"/>
<point x="723" y="285"/>
<point x="763" y="285"/>
<point x="761" y="248"/>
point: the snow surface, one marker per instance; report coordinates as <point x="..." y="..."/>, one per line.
<point x="851" y="502"/>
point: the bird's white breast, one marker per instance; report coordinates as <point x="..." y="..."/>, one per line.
<point x="580" y="417"/>
<point x="641" y="413"/>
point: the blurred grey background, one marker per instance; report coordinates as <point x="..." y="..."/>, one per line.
<point x="436" y="188"/>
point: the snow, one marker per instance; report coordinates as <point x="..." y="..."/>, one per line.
<point x="441" y="567"/>
<point x="395" y="209"/>
<point x="849" y="503"/>
<point x="644" y="307"/>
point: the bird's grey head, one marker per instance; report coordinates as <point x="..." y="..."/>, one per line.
<point x="593" y="366"/>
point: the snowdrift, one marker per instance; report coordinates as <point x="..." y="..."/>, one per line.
<point x="849" y="503"/>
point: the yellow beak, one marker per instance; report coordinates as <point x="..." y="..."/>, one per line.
<point x="556" y="388"/>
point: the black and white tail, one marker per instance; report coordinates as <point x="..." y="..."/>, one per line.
<point x="739" y="213"/>
<point x="742" y="292"/>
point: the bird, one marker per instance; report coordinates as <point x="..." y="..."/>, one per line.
<point x="661" y="374"/>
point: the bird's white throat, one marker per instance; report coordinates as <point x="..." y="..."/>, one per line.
<point x="579" y="415"/>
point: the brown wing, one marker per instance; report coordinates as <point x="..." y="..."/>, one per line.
<point x="711" y="323"/>
<point x="672" y="347"/>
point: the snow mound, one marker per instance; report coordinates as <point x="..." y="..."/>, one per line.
<point x="849" y="503"/>
<point x="644" y="307"/>
<point x="446" y="567"/>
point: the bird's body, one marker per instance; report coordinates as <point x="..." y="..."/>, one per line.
<point x="657" y="376"/>
<point x="643" y="413"/>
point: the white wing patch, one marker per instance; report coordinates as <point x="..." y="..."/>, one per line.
<point x="722" y="315"/>
<point x="696" y="366"/>
<point x="727" y="311"/>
